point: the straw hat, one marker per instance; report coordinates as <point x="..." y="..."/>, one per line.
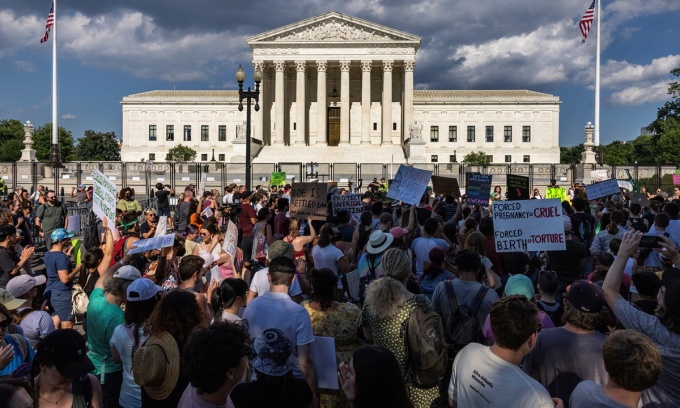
<point x="155" y="366"/>
<point x="378" y="242"/>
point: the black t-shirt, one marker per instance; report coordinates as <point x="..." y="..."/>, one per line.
<point x="567" y="263"/>
<point x="257" y="394"/>
<point x="8" y="261"/>
<point x="583" y="227"/>
<point x="162" y="196"/>
<point x="144" y="228"/>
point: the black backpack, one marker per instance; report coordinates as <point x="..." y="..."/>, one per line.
<point x="91" y="237"/>
<point x="462" y="326"/>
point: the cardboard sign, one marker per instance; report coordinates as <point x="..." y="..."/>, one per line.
<point x="278" y="179"/>
<point x="478" y="189"/>
<point x="640" y="198"/>
<point x="349" y="202"/>
<point x="556" y="192"/>
<point x="150" y="244"/>
<point x="676" y="179"/>
<point x="104" y="197"/>
<point x="201" y="183"/>
<point x="603" y="189"/>
<point x="308" y="200"/>
<point x="528" y="225"/>
<point x="518" y="187"/>
<point x="446" y="185"/>
<point x="162" y="226"/>
<point x="409" y="184"/>
<point x="322" y="350"/>
<point x="231" y="239"/>
<point x="598" y="175"/>
<point x="353" y="280"/>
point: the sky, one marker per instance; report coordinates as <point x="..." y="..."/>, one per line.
<point x="110" y="49"/>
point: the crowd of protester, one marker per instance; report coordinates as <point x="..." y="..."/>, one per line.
<point x="85" y="323"/>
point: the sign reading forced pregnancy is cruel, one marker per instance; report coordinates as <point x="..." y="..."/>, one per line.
<point x="309" y="200"/>
<point x="532" y="225"/>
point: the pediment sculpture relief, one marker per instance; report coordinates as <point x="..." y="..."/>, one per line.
<point x="334" y="31"/>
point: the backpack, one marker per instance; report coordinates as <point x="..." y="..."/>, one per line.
<point x="553" y="311"/>
<point x="366" y="280"/>
<point x="425" y="345"/>
<point x="462" y="326"/>
<point x="79" y="299"/>
<point x="119" y="250"/>
<point x="91" y="235"/>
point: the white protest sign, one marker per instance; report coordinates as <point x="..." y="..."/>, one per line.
<point x="208" y="212"/>
<point x="625" y="184"/>
<point x="104" y="197"/>
<point x="323" y="357"/>
<point x="353" y="280"/>
<point x="409" y="184"/>
<point x="603" y="189"/>
<point x="349" y="202"/>
<point x="531" y="225"/>
<point x="598" y="175"/>
<point x="201" y="184"/>
<point x="231" y="239"/>
<point x="162" y="226"/>
<point x="150" y="244"/>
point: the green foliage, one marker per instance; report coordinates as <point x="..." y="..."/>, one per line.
<point x="98" y="146"/>
<point x="571" y="155"/>
<point x="11" y="139"/>
<point x="644" y="150"/>
<point x="42" y="143"/>
<point x="477" y="158"/>
<point x="668" y="143"/>
<point x="652" y="182"/>
<point x="671" y="109"/>
<point x="618" y="153"/>
<point x="181" y="154"/>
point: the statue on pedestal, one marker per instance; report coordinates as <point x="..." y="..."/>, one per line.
<point x="416" y="131"/>
<point x="241" y="131"/>
<point x="28" y="154"/>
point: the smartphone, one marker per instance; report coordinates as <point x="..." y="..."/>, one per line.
<point x="650" y="241"/>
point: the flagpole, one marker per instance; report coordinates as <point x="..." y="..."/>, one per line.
<point x="54" y="153"/>
<point x="596" y="135"/>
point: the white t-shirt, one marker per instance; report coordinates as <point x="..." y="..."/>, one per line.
<point x="421" y="250"/>
<point x="130" y="392"/>
<point x="480" y="378"/>
<point x="260" y="284"/>
<point x="327" y="257"/>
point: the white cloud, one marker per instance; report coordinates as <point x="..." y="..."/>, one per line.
<point x="25" y="66"/>
<point x="68" y="116"/>
<point x="616" y="73"/>
<point x="641" y="93"/>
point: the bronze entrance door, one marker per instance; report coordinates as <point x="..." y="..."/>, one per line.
<point x="333" y="126"/>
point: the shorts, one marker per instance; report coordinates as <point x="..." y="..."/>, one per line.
<point x="62" y="305"/>
<point x="164" y="212"/>
<point x="247" y="248"/>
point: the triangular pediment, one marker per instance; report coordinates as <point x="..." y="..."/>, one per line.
<point x="334" y="27"/>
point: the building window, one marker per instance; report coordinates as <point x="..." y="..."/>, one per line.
<point x="222" y="133"/>
<point x="204" y="157"/>
<point x="221" y="157"/>
<point x="453" y="134"/>
<point x="394" y="126"/>
<point x="434" y="133"/>
<point x="434" y="158"/>
<point x="205" y="133"/>
<point x="508" y="158"/>
<point x="526" y="158"/>
<point x="471" y="134"/>
<point x="187" y="133"/>
<point x="375" y="125"/>
<point x="152" y="156"/>
<point x="152" y="133"/>
<point x="507" y="134"/>
<point x="489" y="158"/>
<point x="170" y="133"/>
<point x="526" y="134"/>
<point x="452" y="158"/>
<point x="489" y="134"/>
<point x="294" y="125"/>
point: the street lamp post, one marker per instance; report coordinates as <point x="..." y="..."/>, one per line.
<point x="248" y="96"/>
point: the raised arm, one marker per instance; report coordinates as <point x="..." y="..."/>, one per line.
<point x="103" y="268"/>
<point x="612" y="282"/>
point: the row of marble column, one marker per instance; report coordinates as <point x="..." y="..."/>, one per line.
<point x="277" y="136"/>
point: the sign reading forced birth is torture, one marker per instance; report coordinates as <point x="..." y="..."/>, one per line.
<point x="531" y="225"/>
<point x="104" y="197"/>
<point x="409" y="184"/>
<point x="309" y="200"/>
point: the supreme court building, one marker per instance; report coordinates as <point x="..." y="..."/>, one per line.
<point x="340" y="89"/>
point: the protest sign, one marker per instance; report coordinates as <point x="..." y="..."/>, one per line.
<point x="409" y="184"/>
<point x="201" y="183"/>
<point x="478" y="189"/>
<point x="446" y="185"/>
<point x="150" y="244"/>
<point x="602" y="189"/>
<point x="104" y="197"/>
<point x="640" y="198"/>
<point x="308" y="200"/>
<point x="162" y="226"/>
<point x="349" y="202"/>
<point x="353" y="280"/>
<point x="676" y="179"/>
<point x="278" y="179"/>
<point x="556" y="192"/>
<point x="231" y="239"/>
<point x="518" y="187"/>
<point x="208" y="212"/>
<point x="528" y="225"/>
<point x="625" y="184"/>
<point x="322" y="352"/>
<point x="598" y="175"/>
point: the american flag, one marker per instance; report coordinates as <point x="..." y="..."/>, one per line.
<point x="48" y="25"/>
<point x="587" y="21"/>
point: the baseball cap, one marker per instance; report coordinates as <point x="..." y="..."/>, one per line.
<point x="159" y="186"/>
<point x="585" y="296"/>
<point x="520" y="285"/>
<point x="246" y="194"/>
<point x="82" y="186"/>
<point x="9" y="301"/>
<point x="127" y="272"/>
<point x="142" y="289"/>
<point x="368" y="194"/>
<point x="20" y="285"/>
<point x="61" y="234"/>
<point x="386" y="217"/>
<point x="66" y="349"/>
<point x="280" y="248"/>
<point x="398" y="232"/>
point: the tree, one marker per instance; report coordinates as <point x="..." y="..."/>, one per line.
<point x="477" y="158"/>
<point x="42" y="143"/>
<point x="571" y="155"/>
<point x="98" y="146"/>
<point x="181" y="154"/>
<point x="11" y="139"/>
<point x="668" y="144"/>
<point x="618" y="153"/>
<point x="670" y="109"/>
<point x="644" y="150"/>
